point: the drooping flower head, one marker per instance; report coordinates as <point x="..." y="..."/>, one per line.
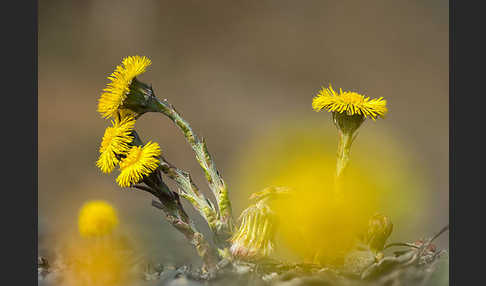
<point x="349" y="103"/>
<point x="140" y="161"/>
<point x="254" y="239"/>
<point x="115" y="142"/>
<point x="116" y="92"/>
<point x="97" y="218"/>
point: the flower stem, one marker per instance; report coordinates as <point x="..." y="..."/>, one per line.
<point x="181" y="222"/>
<point x="344" y="148"/>
<point x="190" y="192"/>
<point x="215" y="181"/>
<point x="169" y="202"/>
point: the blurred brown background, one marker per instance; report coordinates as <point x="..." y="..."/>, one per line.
<point x="233" y="68"/>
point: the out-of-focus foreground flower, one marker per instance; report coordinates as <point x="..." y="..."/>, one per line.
<point x="97" y="218"/>
<point x="100" y="255"/>
<point x="301" y="155"/>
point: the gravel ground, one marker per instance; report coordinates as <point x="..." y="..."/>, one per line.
<point x="422" y="266"/>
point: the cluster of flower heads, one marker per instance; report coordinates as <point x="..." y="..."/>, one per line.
<point x="349" y="103"/>
<point x="117" y="146"/>
<point x="255" y="237"/>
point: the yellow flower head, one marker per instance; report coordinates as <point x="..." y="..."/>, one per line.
<point x="116" y="91"/>
<point x="349" y="102"/>
<point x="115" y="142"/>
<point x="140" y="162"/>
<point x="97" y="218"/>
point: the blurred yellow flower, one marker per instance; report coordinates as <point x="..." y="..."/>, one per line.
<point x="97" y="218"/>
<point x="98" y="264"/>
<point x="115" y="142"/>
<point x="116" y="91"/>
<point x="349" y="102"/>
<point x="140" y="162"/>
<point x="313" y="226"/>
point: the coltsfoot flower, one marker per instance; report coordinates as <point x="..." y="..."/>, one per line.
<point x="115" y="142"/>
<point x="255" y="237"/>
<point x="97" y="218"/>
<point x="349" y="109"/>
<point x="380" y="228"/>
<point x="349" y="103"/>
<point x="114" y="95"/>
<point x="141" y="161"/>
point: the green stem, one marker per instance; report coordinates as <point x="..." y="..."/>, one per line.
<point x="190" y="192"/>
<point x="179" y="220"/>
<point x="344" y="148"/>
<point x="215" y="181"/>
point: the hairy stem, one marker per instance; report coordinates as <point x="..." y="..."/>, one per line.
<point x="189" y="191"/>
<point x="203" y="248"/>
<point x="215" y="181"/>
<point x="344" y="148"/>
<point x="169" y="202"/>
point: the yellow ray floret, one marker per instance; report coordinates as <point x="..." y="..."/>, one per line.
<point x="116" y="91"/>
<point x="349" y="102"/>
<point x="115" y="142"/>
<point x="140" y="162"/>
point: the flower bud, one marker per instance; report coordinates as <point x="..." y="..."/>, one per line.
<point x="254" y="238"/>
<point x="380" y="228"/>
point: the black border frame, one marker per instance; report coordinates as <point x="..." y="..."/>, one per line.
<point x="18" y="213"/>
<point x="466" y="169"/>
